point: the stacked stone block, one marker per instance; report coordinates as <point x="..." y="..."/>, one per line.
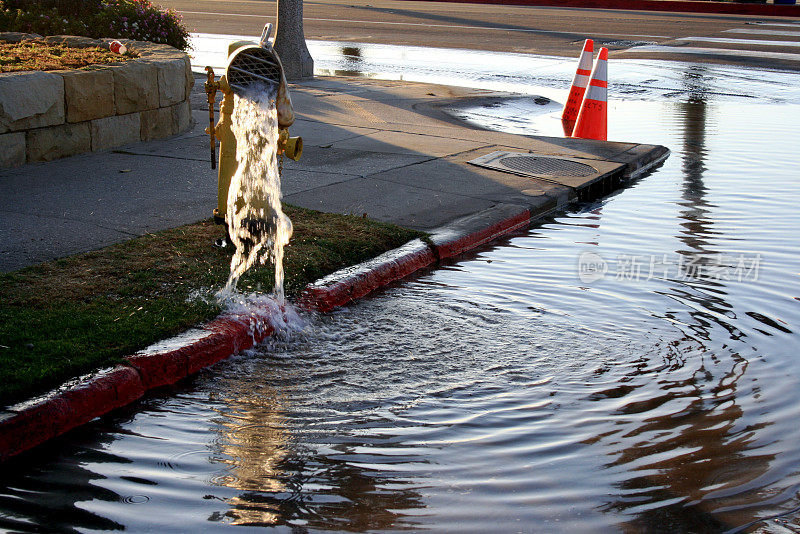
<point x="54" y="114"/>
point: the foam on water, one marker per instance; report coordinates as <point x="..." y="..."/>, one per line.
<point x="261" y="312"/>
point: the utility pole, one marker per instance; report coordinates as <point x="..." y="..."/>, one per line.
<point x="290" y="41"/>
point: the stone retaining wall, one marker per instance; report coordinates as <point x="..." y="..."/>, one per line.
<point x="45" y="115"/>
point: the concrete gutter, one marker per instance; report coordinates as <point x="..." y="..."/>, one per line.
<point x="677" y="6"/>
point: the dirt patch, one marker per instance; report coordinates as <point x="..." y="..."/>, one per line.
<point x="26" y="56"/>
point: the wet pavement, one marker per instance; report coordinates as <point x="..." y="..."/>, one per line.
<point x="626" y="366"/>
<point x="535" y="30"/>
<point x="527" y="74"/>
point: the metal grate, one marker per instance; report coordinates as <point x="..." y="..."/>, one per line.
<point x="253" y="65"/>
<point x="539" y="166"/>
<point x="527" y="164"/>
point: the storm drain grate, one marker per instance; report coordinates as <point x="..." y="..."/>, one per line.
<point x="535" y="166"/>
<point x="546" y="166"/>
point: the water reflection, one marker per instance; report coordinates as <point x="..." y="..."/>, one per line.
<point x="353" y="63"/>
<point x="696" y="225"/>
<point x="696" y="208"/>
<point x="254" y="441"/>
<point x="282" y="482"/>
<point x="693" y="476"/>
<point x="41" y="492"/>
<point x="352" y="53"/>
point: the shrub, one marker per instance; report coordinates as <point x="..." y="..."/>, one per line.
<point x="43" y="22"/>
<point x="74" y="7"/>
<point x="142" y="21"/>
<point x="127" y="19"/>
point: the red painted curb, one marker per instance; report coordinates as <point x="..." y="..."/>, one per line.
<point x="127" y="383"/>
<point x="159" y="369"/>
<point x="678" y="6"/>
<point x="87" y="398"/>
<point x="34" y="422"/>
<point x="215" y="341"/>
<point x="45" y="418"/>
<point x="459" y="244"/>
<point x="349" y="284"/>
<point x="33" y="426"/>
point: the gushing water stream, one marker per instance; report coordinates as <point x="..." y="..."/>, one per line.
<point x="258" y="227"/>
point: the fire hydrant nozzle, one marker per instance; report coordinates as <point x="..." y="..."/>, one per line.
<point x="291" y="147"/>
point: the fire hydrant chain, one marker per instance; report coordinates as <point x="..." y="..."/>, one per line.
<point x="280" y="165"/>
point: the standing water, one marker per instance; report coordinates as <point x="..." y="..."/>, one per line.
<point x="510" y="389"/>
<point x="257" y="225"/>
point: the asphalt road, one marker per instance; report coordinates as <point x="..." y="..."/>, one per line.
<point x="730" y="39"/>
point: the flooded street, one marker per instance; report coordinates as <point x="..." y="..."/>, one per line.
<point x="628" y="366"/>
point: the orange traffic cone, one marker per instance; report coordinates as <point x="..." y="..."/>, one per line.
<point x="579" y="83"/>
<point x="592" y="120"/>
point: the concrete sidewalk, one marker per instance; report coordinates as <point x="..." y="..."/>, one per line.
<point x="380" y="148"/>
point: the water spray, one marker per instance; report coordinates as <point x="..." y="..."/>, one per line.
<point x="255" y="105"/>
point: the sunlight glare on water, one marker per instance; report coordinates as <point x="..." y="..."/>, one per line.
<point x="526" y="74"/>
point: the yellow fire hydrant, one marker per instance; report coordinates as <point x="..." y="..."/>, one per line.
<point x="248" y="62"/>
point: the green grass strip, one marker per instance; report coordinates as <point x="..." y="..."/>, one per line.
<point x="70" y="316"/>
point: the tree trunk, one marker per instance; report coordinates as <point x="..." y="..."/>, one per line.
<point x="290" y="41"/>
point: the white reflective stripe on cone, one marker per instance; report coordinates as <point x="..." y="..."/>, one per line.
<point x="595" y="92"/>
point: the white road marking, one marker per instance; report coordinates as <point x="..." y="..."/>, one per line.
<point x="755" y="31"/>
<point x="454" y="26"/>
<point x="789" y="24"/>
<point x="715" y="52"/>
<point x="752" y="42"/>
